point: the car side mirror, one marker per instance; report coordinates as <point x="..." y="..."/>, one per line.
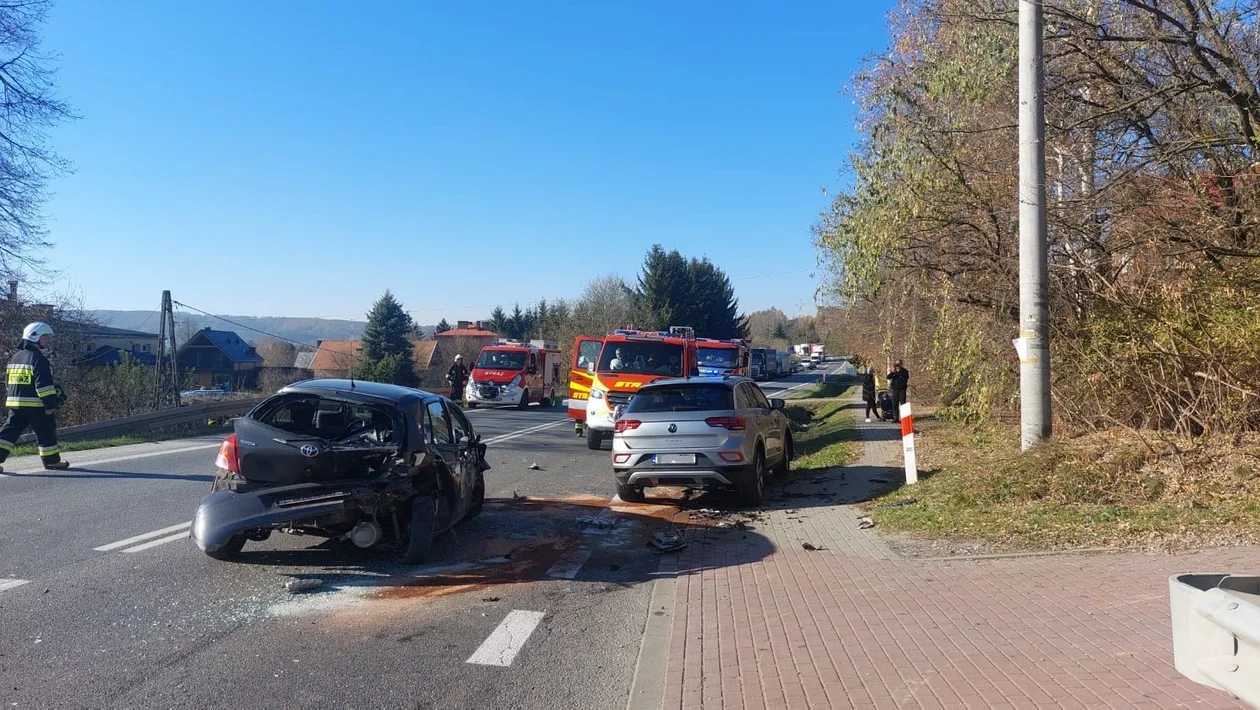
<point x="777" y="404"/>
<point x="590" y="368"/>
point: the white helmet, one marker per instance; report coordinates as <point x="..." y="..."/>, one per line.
<point x="458" y="358"/>
<point x="36" y="330"/>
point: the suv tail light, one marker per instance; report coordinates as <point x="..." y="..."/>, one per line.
<point x="732" y="423"/>
<point x="624" y="424"/>
<point x="228" y="459"/>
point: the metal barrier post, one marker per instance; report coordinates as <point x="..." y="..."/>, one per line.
<point x="1216" y="632"/>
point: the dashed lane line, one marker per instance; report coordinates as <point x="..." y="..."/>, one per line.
<point x="507" y="640"/>
<point x="115" y="459"/>
<point x="7" y="584"/>
<point x="524" y="432"/>
<point x="160" y="541"/>
<point x="148" y="536"/>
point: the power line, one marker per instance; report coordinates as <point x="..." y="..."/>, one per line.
<point x="246" y="327"/>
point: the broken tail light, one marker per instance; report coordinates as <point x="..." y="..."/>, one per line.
<point x="626" y="424"/>
<point x="228" y="458"/>
<point x="731" y="423"/>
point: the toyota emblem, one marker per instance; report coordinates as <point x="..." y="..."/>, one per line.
<point x="673" y="428"/>
<point x="310" y="451"/>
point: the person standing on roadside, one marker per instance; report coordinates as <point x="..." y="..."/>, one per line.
<point x="898" y="383"/>
<point x="868" y="393"/>
<point x="457" y="376"/>
<point x="32" y="398"/>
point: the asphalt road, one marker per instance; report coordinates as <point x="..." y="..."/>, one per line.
<point x="105" y="602"/>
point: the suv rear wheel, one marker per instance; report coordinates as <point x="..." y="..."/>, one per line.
<point x="629" y="493"/>
<point x="753" y="490"/>
<point x="785" y="466"/>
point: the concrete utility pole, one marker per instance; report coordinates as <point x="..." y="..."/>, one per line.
<point x="1033" y="344"/>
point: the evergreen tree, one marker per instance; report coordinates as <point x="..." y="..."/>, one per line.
<point x="516" y="323"/>
<point x="499" y="321"/>
<point x="441" y="327"/>
<point x="388" y="335"/>
<point x="663" y="290"/>
<point x="713" y="306"/>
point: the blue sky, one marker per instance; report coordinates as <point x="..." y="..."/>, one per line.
<point x="298" y="158"/>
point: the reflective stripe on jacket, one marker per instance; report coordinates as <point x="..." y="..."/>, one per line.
<point x="30" y="380"/>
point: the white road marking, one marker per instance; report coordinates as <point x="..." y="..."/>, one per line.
<point x="141" y="538"/>
<point x="502" y="645"/>
<point x="11" y="583"/>
<point x="524" y="432"/>
<point x="116" y="459"/>
<point x="569" y="564"/>
<point x="159" y="541"/>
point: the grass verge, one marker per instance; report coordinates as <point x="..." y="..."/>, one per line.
<point x="823" y="434"/>
<point x="825" y="390"/>
<point x="153" y="435"/>
<point x="1111" y="489"/>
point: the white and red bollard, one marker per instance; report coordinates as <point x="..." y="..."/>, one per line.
<point x="907" y="444"/>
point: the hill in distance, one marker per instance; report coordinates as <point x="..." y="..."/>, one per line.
<point x="301" y="330"/>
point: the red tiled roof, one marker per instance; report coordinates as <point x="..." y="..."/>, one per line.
<point x="468" y="332"/>
<point x="341" y="354"/>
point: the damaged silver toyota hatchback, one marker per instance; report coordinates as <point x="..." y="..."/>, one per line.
<point x="378" y="465"/>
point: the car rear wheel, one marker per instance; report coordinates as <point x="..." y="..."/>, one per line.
<point x="524" y="400"/>
<point x="785" y="466"/>
<point x="753" y="490"/>
<point x="594" y="439"/>
<point x="629" y="493"/>
<point x="420" y="535"/>
<point x="230" y="549"/>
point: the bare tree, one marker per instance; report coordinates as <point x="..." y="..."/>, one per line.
<point x="276" y="352"/>
<point x="28" y="109"/>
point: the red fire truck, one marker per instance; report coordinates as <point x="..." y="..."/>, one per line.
<point x="515" y="373"/>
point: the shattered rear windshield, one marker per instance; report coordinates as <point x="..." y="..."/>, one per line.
<point x="333" y="420"/>
<point x="682" y="398"/>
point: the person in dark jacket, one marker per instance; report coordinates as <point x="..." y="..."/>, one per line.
<point x="457" y="376"/>
<point x="868" y="393"/>
<point x="32" y="398"/>
<point x="898" y="383"/>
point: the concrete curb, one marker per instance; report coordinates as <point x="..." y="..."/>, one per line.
<point x="647" y="689"/>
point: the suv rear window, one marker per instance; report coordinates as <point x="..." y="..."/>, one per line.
<point x="682" y="398"/>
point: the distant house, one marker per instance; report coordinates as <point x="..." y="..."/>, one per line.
<point x="101" y="345"/>
<point x="304" y="360"/>
<point x="107" y="355"/>
<point x="218" y="356"/>
<point x="336" y="358"/>
<point x="467" y="338"/>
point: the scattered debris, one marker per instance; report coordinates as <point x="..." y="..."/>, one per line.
<point x="902" y="503"/>
<point x="811" y="547"/>
<point x="301" y="586"/>
<point x="535" y="467"/>
<point x="516" y="496"/>
<point x="741" y="525"/>
<point x="490" y="599"/>
<point x="668" y="541"/>
<point x="865" y="523"/>
<point x="598" y="521"/>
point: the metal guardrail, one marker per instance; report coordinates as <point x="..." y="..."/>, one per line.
<point x="155" y="420"/>
<point x="1216" y="632"/>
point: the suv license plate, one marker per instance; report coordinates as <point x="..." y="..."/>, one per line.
<point x="689" y="459"/>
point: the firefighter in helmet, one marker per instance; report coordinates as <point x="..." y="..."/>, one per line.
<point x="32" y="398"/>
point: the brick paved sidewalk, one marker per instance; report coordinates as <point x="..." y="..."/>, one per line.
<point x="853" y="626"/>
